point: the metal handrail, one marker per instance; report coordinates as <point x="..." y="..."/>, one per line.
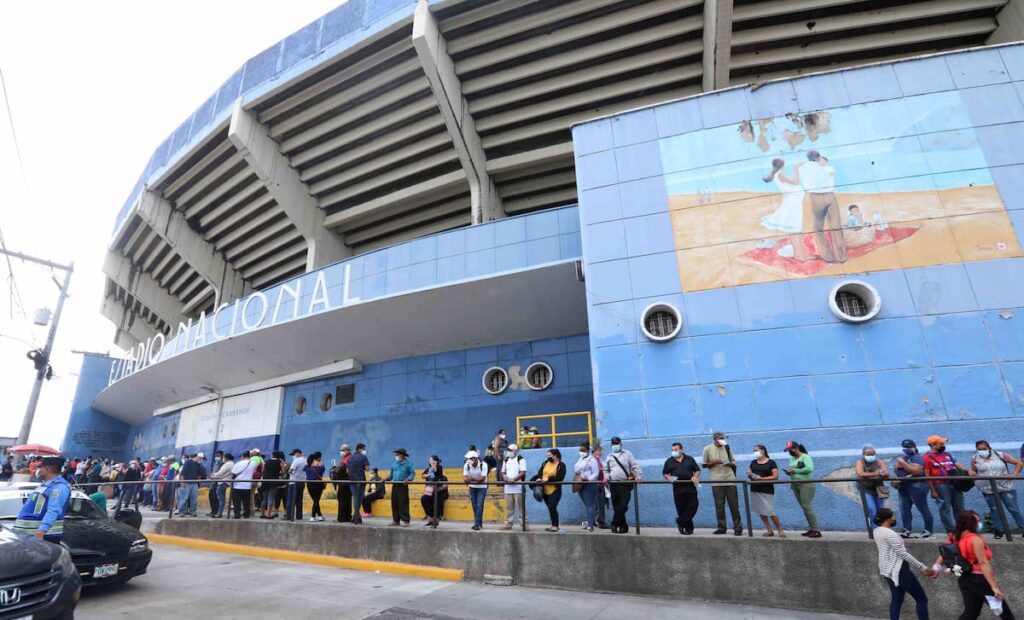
<point x="554" y="434"/>
<point x="746" y="484"/>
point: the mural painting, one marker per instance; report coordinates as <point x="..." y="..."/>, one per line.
<point x="887" y="185"/>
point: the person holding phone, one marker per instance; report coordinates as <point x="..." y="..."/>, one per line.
<point x="762" y="496"/>
<point x="978" y="586"/>
<point x="717" y="459"/>
<point x="801" y="467"/>
<point x="683" y="472"/>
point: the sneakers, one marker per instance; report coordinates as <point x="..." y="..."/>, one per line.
<point x="720" y="530"/>
<point x="925" y="534"/>
<point x="312" y="519"/>
<point x="508" y="526"/>
<point x="906" y="534"/>
<point x="814" y="534"/>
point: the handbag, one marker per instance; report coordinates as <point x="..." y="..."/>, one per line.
<point x="538" y="492"/>
<point x="577" y="482"/>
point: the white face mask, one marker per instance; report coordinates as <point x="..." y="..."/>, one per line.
<point x="758" y="454"/>
<point x="584" y="455"/>
<point x="502" y="435"/>
<point x="723" y="442"/>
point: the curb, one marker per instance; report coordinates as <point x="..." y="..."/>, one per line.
<point x="393" y="568"/>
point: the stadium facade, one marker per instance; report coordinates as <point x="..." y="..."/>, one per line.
<point x="410" y="224"/>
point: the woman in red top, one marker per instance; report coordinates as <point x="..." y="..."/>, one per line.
<point x="981" y="581"/>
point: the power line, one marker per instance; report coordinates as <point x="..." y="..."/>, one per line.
<point x="15" y="294"/>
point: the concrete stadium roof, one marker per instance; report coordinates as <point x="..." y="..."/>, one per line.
<point x="387" y="120"/>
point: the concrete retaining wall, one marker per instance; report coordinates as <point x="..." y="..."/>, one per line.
<point x="823" y="575"/>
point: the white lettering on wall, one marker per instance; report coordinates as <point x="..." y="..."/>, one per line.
<point x="216" y="317"/>
<point x="294" y="294"/>
<point x="155" y="357"/>
<point x="264" y="304"/>
<point x="320" y="297"/>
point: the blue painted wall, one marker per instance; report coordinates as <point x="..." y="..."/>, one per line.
<point x="153" y="438"/>
<point x="768" y="361"/>
<point x="90" y="432"/>
<point x="436" y="404"/>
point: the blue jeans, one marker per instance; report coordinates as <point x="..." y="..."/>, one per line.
<point x="874" y="503"/>
<point x="1010" y="503"/>
<point x="915" y="494"/>
<point x="908" y="585"/>
<point x="951" y="503"/>
<point x="476" y="497"/>
<point x="222" y="489"/>
<point x="188" y="498"/>
<point x="293" y="505"/>
<point x="588" y="494"/>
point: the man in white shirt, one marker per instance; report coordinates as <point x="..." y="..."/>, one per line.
<point x="241" y="486"/>
<point x="296" y="484"/>
<point x="513" y="469"/>
<point x="818" y="179"/>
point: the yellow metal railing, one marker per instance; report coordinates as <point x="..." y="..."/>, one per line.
<point x="536" y="440"/>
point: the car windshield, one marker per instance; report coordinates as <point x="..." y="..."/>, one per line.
<point x="79" y="508"/>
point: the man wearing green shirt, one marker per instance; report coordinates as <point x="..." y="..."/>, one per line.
<point x="101" y="496"/>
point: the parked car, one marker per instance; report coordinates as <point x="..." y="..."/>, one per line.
<point x="37" y="579"/>
<point x="103" y="550"/>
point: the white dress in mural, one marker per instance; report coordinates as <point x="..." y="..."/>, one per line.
<point x="789" y="217"/>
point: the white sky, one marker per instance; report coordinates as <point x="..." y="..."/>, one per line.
<point x="94" y="88"/>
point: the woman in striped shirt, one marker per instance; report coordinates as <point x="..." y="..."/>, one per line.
<point x="894" y="562"/>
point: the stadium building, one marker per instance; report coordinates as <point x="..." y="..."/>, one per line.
<point x="412" y="224"/>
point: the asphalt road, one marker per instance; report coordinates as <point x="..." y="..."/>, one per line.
<point x="184" y="583"/>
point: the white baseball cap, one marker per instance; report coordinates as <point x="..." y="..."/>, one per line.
<point x="472" y="454"/>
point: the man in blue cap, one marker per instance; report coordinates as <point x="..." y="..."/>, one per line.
<point x="42" y="514"/>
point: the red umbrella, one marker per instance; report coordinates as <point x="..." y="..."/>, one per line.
<point x="34" y="448"/>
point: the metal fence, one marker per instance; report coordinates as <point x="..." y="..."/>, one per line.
<point x="744" y="484"/>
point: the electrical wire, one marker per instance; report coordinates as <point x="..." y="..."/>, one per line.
<point x="15" y="293"/>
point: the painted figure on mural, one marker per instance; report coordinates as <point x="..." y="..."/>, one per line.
<point x="818" y="178"/>
<point x="789" y="217"/>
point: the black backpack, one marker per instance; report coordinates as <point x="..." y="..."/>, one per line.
<point x="953" y="560"/>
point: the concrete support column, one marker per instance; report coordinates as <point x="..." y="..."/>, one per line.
<point x="228" y="284"/>
<point x="283" y="182"/>
<point x="432" y="50"/>
<point x="142" y="287"/>
<point x="717" y="43"/>
<point x="1011" y="23"/>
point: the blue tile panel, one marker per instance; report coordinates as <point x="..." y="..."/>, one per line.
<point x="480" y="251"/>
<point x="436" y="404"/>
<point x="948" y="344"/>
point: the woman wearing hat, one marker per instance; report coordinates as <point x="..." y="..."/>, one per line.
<point x="401" y="475"/>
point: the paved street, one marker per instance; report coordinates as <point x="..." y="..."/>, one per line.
<point x="187" y="583"/>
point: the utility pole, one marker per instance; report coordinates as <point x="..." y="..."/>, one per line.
<point x="41" y="359"/>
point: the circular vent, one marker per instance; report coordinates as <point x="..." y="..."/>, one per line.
<point x="326" y="401"/>
<point x="661" y="322"/>
<point x="854" y="301"/>
<point x="300" y="405"/>
<point x="495" y="380"/>
<point x="539" y="376"/>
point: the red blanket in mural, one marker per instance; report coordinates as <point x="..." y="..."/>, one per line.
<point x="769" y="256"/>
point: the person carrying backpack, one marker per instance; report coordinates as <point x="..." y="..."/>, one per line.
<point x="967" y="556"/>
<point x="513" y="469"/>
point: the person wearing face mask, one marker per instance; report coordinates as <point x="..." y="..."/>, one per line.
<point x="587" y="470"/>
<point x="912" y="493"/>
<point x="717" y="459"/>
<point x="343" y="489"/>
<point x="683" y="472"/>
<point x="622" y="472"/>
<point x="762" y="496"/>
<point x="801" y="467"/>
<point x="474" y="472"/>
<point x="872" y="473"/>
<point x="513" y="470"/>
<point x="401" y="475"/>
<point x="894" y="564"/>
<point x="989" y="462"/>
<point x="433" y="506"/>
<point x="939" y="463"/>
<point x="978" y="584"/>
<point x="552" y="470"/>
<point x="358" y="465"/>
<point x="499" y="445"/>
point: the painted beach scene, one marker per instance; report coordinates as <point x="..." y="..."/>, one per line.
<point x="871" y="187"/>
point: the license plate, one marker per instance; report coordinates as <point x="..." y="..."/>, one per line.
<point x="105" y="570"/>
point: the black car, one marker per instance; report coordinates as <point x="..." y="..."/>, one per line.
<point x="37" y="579"/>
<point x="104" y="551"/>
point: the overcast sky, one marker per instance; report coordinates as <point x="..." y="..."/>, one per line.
<point x="94" y="88"/>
